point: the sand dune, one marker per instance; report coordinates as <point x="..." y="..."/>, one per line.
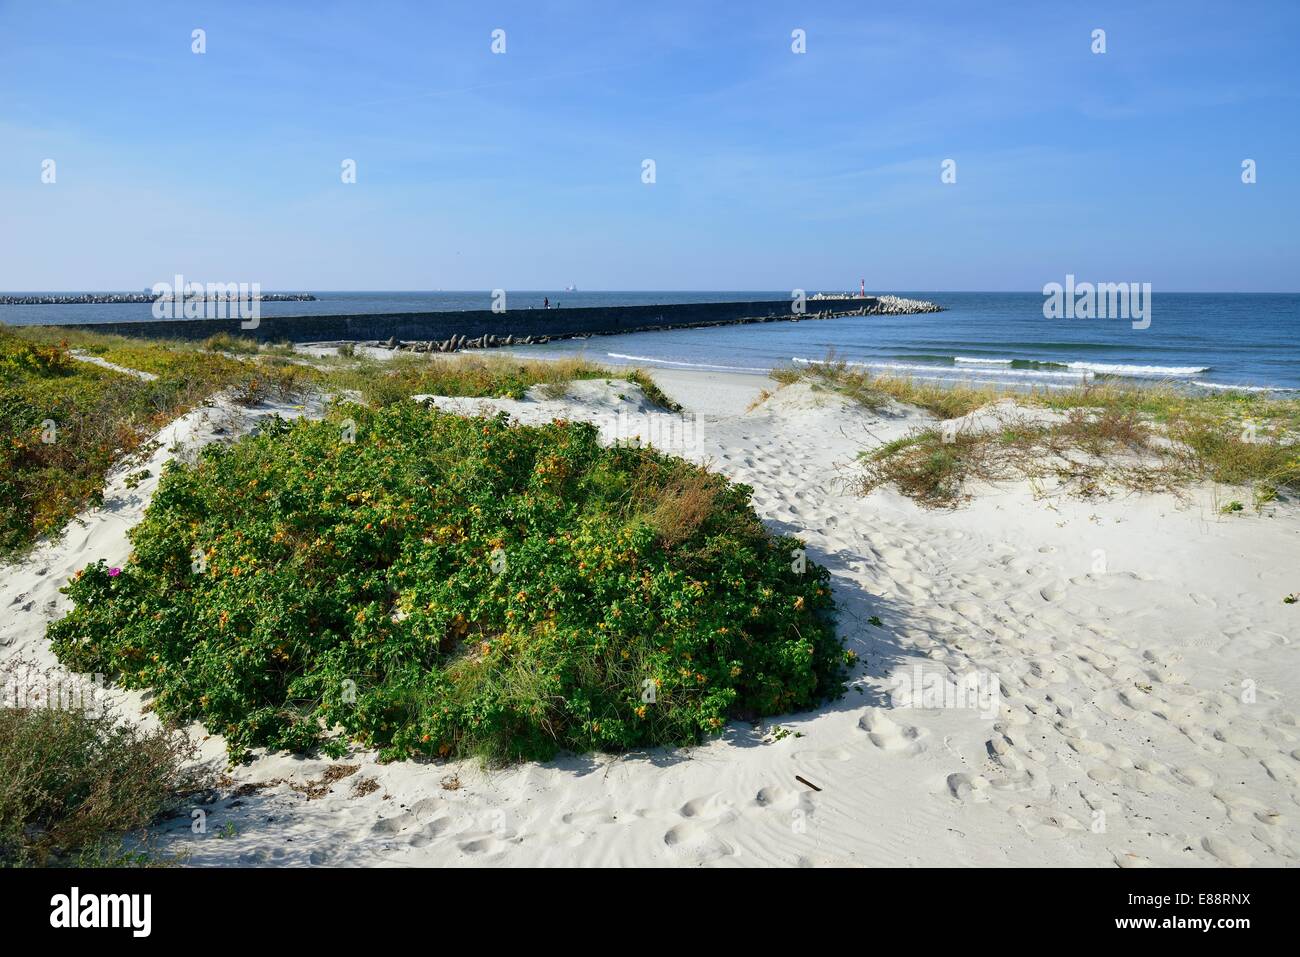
<point x="1125" y="668"/>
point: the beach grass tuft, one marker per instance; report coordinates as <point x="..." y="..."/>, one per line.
<point x="1114" y="436"/>
<point x="874" y="391"/>
<point x="76" y="782"/>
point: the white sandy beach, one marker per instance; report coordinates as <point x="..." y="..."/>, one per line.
<point x="1147" y="666"/>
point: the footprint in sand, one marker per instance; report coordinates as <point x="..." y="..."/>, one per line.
<point x="1227" y="852"/>
<point x="968" y="788"/>
<point x="1242" y="809"/>
<point x="709" y="806"/>
<point x="694" y="837"/>
<point x="827" y="754"/>
<point x="388" y="826"/>
<point x="594" y="816"/>
<point x="1194" y="775"/>
<point x="889" y="736"/>
<point x="1043" y="822"/>
<point x="481" y="844"/>
<point x="692" y="840"/>
<point x="1128" y="859"/>
<point x="780" y="798"/>
<point x="430" y="832"/>
<point x="1053" y="592"/>
<point x="1279" y="771"/>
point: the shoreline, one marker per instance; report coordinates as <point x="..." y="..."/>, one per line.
<point x="980" y="336"/>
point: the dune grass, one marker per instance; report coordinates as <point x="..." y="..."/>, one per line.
<point x="1115" y="436"/>
<point x="873" y="391"/>
<point x="383" y="382"/>
<point x="75" y="782"/>
<point x="64" y="423"/>
<point x="1088" y="454"/>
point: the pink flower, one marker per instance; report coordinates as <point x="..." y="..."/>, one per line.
<point x="114" y="572"/>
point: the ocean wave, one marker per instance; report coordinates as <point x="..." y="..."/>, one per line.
<point x="1009" y="363"/>
<point x="689" y="365"/>
<point x="1225" y="387"/>
<point x="1098" y="368"/>
<point x="957" y="374"/>
<point x="1140" y="372"/>
<point x="922" y="357"/>
<point x="1031" y="368"/>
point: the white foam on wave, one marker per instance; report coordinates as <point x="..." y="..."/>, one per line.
<point x="1240" y="388"/>
<point x="1073" y="371"/>
<point x="1141" y="372"/>
<point x="1014" y="383"/>
<point x="912" y="367"/>
<point x="689" y="365"/>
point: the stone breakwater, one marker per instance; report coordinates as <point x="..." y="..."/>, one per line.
<point x="883" y="305"/>
<point x="489" y="341"/>
<point x="484" y="328"/>
<point x="114" y="298"/>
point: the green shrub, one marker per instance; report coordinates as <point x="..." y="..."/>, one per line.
<point x="33" y="359"/>
<point x="446" y="586"/>
<point x="73" y="783"/>
<point x="64" y="423"/>
<point x="225" y="342"/>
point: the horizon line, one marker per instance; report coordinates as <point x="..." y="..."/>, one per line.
<point x="487" y="291"/>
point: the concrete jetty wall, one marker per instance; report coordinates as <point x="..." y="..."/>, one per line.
<point x="518" y="323"/>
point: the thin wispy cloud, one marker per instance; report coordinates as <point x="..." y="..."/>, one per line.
<point x="530" y="152"/>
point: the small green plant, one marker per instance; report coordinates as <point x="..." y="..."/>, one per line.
<point x="225" y="342"/>
<point x="1233" y="506"/>
<point x="780" y="733"/>
<point x="133" y="480"/>
<point x="1262" y="495"/>
<point x="650" y="389"/>
<point x="75" y="783"/>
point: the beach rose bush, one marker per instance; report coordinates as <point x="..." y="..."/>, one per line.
<point x="431" y="584"/>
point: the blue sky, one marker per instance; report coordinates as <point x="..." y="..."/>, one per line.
<point x="774" y="170"/>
